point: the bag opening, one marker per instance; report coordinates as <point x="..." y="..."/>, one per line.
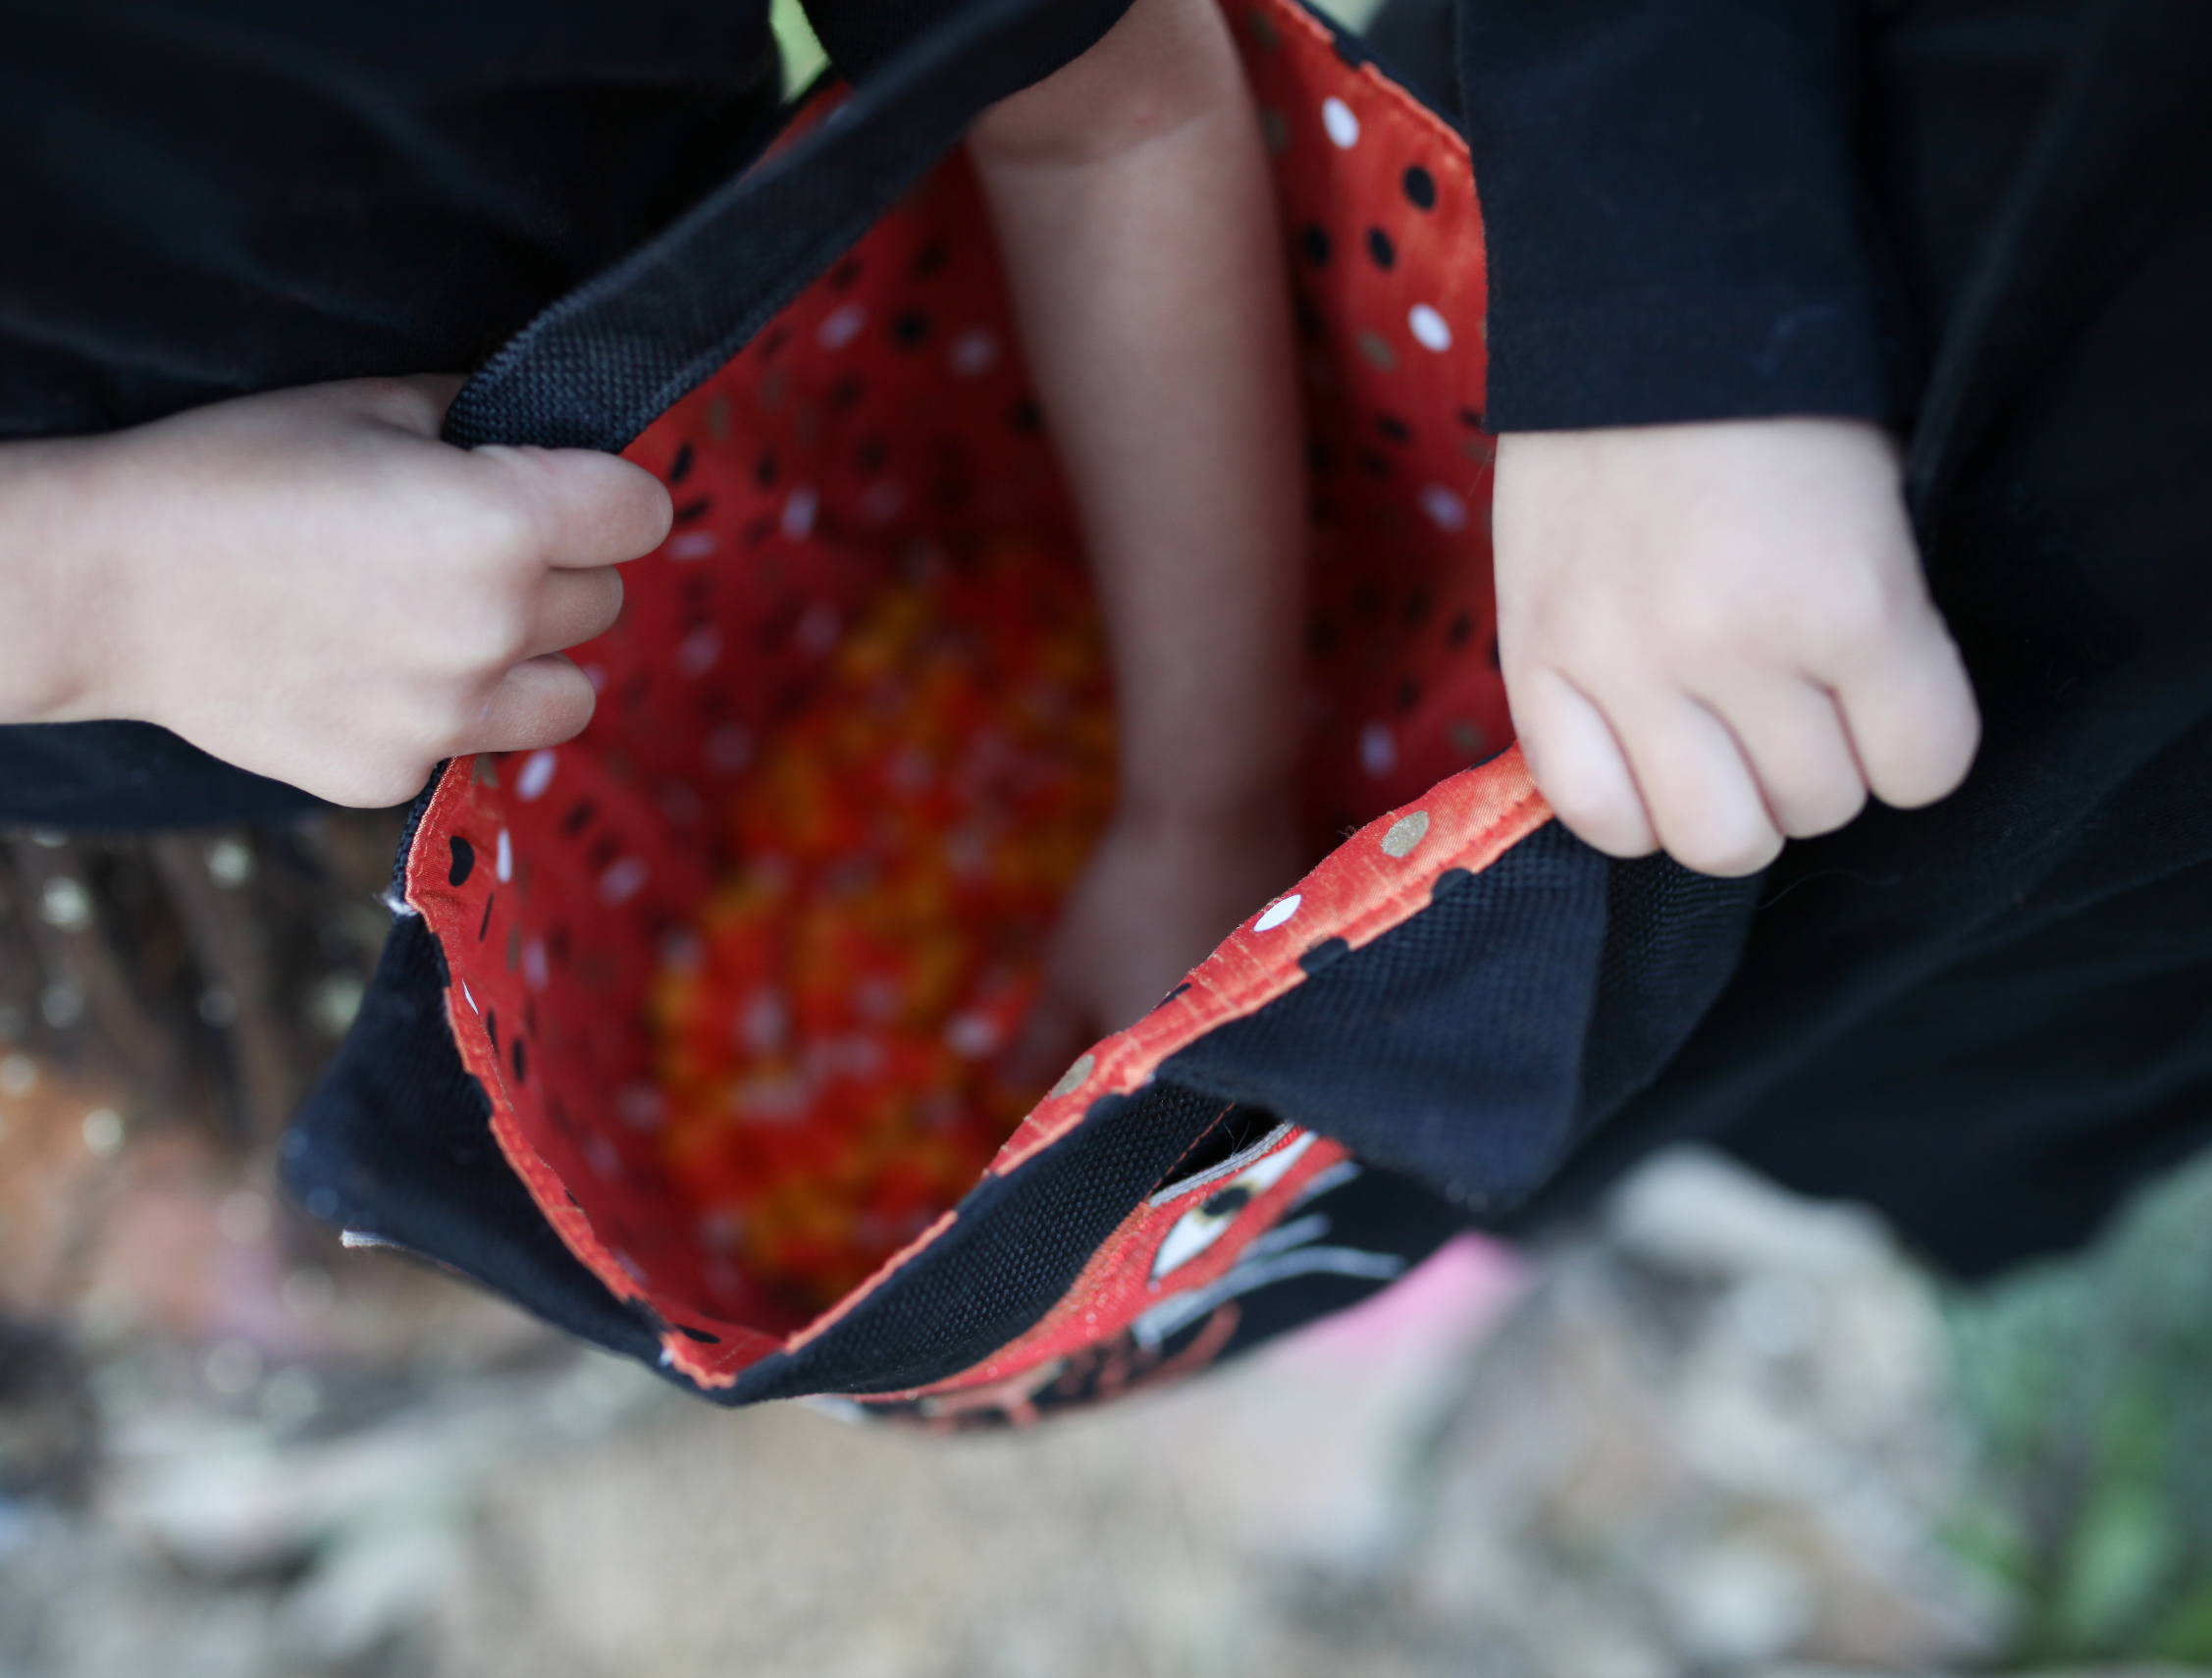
<point x="733" y="965"/>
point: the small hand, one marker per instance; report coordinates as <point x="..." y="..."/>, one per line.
<point x="1717" y="636"/>
<point x="1156" y="897"/>
<point x="310" y="585"/>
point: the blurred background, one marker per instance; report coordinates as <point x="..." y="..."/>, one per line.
<point x="1715" y="1430"/>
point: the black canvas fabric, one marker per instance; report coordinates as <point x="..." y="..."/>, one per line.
<point x="602" y="364"/>
<point x="395" y="1144"/>
<point x="123" y="776"/>
<point x="251" y="198"/>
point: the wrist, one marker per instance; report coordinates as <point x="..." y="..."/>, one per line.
<point x="55" y="499"/>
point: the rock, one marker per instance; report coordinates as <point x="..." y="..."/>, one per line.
<point x="1718" y="1424"/>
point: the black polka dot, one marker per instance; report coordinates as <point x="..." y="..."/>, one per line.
<point x="521" y="1062"/>
<point x="844" y="274"/>
<point x="1421" y="187"/>
<point x="699" y="1335"/>
<point x="491" y="1025"/>
<point x="579" y="816"/>
<point x="929" y="258"/>
<point x="691" y="511"/>
<point x="1469" y="418"/>
<point x="1318" y="458"/>
<point x="764" y="469"/>
<point x="872" y="456"/>
<point x="1462" y="625"/>
<point x="1408" y="694"/>
<point x="1228" y="1202"/>
<point x="1313" y="242"/>
<point x="1375" y="467"/>
<point x="1379" y="249"/>
<point x="680" y="468"/>
<point x="1026" y="418"/>
<point x="772" y="340"/>
<point x="484" y="927"/>
<point x="1416" y="608"/>
<point x="845" y="393"/>
<point x="1394" y="428"/>
<point x="464" y="860"/>
<point x="910" y="327"/>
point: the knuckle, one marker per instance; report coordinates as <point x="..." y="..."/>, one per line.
<point x="1824" y="811"/>
<point x="1726" y="849"/>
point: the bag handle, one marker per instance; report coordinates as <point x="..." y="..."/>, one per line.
<point x="601" y="364"/>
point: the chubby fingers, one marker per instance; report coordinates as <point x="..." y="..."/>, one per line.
<point x="1912" y="718"/>
<point x="586" y="508"/>
<point x="541" y="701"/>
<point x="572" y="607"/>
<point x="1644" y="770"/>
<point x="1578" y="761"/>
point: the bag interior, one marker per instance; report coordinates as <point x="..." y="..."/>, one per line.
<point x="756" y="940"/>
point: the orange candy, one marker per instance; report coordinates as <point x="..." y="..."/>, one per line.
<point x="827" y="1038"/>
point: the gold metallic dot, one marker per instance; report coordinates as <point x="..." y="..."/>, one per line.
<point x="1405" y="832"/>
<point x="1075" y="1077"/>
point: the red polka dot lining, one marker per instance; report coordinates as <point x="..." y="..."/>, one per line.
<point x="879" y="427"/>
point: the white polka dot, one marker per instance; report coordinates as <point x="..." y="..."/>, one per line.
<point x="974" y="352"/>
<point x="1378" y="750"/>
<point x="841" y="326"/>
<point x="697" y="652"/>
<point x="799" y="511"/>
<point x="971" y="1036"/>
<point x="603" y="1157"/>
<point x="537" y="775"/>
<point x="817" y="629"/>
<point x="1445" y="510"/>
<point x="596" y="674"/>
<point x="641" y="1106"/>
<point x="693" y="545"/>
<point x="1342" y="125"/>
<point x="622" y="881"/>
<point x="729" y="748"/>
<point x="536" y="972"/>
<point x="1430" y="330"/>
<point x="883" y="500"/>
<point x="1278" y="912"/>
<point x="504" y="863"/>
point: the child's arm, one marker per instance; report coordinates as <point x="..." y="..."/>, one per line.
<point x="1717" y="635"/>
<point x="309" y="585"/>
<point x="1714" y="627"/>
<point x="1132" y="200"/>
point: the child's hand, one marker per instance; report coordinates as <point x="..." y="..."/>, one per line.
<point x="310" y="585"/>
<point x="1716" y="636"/>
<point x="1159" y="893"/>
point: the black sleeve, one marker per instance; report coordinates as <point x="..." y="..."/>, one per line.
<point x="1675" y="225"/>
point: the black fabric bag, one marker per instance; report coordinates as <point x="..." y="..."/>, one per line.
<point x="1416" y="1036"/>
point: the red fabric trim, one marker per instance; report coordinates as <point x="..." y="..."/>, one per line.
<point x="884" y="409"/>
